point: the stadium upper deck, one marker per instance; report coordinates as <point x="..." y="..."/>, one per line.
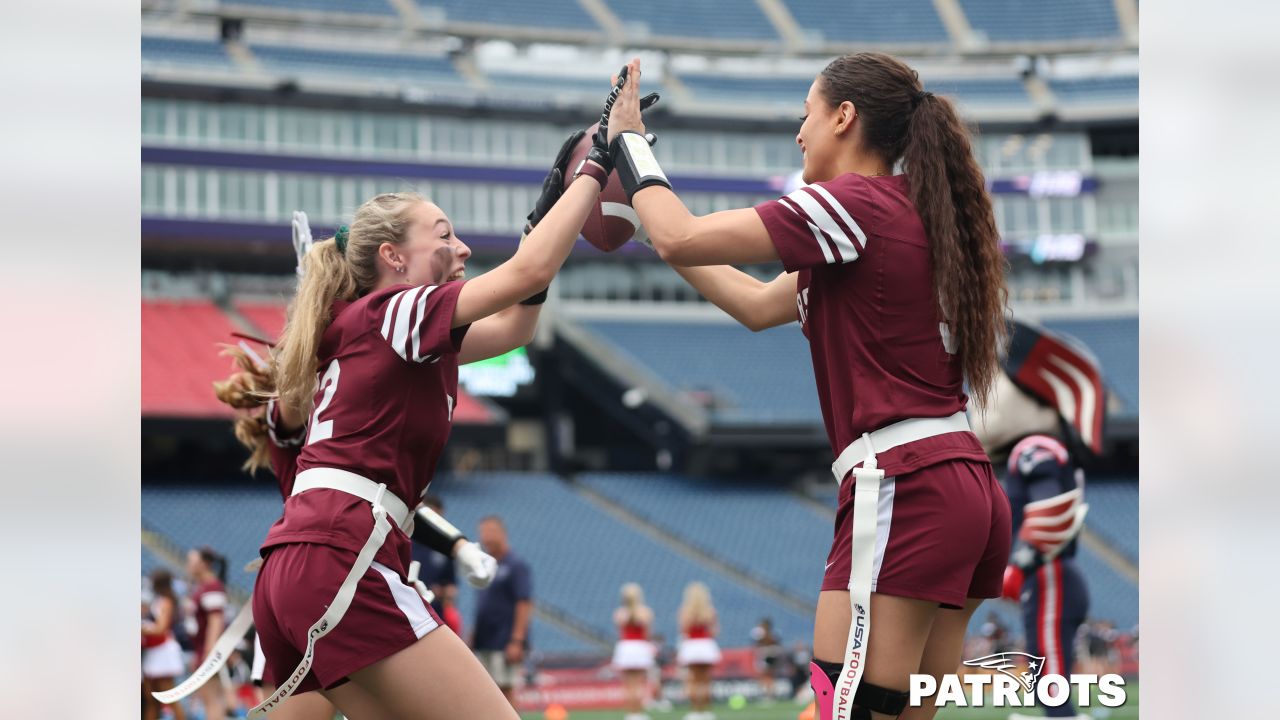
<point x="749" y="63"/>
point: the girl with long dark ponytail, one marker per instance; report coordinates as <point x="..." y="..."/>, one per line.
<point x="898" y="284"/>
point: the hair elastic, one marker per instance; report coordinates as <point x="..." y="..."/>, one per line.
<point x="340" y="238"/>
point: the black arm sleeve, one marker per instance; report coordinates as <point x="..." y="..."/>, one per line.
<point x="427" y="532"/>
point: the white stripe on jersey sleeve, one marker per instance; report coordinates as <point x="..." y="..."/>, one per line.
<point x="817" y="234"/>
<point x="417" y="326"/>
<point x="213" y="600"/>
<point x="401" y="334"/>
<point x="844" y="214"/>
<point x="819" y="216"/>
<point x="391" y="312"/>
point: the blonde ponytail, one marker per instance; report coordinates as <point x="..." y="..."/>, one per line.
<point x="327" y="278"/>
<point x="329" y="275"/>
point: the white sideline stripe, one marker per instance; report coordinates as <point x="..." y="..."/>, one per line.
<point x="844" y="215"/>
<point x="823" y="219"/>
<point x="883" y="521"/>
<point x="401" y="333"/>
<point x="817" y="234"/>
<point x="417" y="327"/>
<point x="408" y="600"/>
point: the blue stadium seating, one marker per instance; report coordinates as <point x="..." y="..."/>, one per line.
<point x="697" y="19"/>
<point x="372" y="66"/>
<point x="1096" y="90"/>
<point x="543" y="84"/>
<point x="201" y="53"/>
<point x="150" y="561"/>
<point x="1111" y="596"/>
<point x="1113" y="514"/>
<point x="755" y="378"/>
<point x="720" y="517"/>
<point x="724" y="88"/>
<point x="986" y="91"/>
<point x="232" y="519"/>
<point x="993" y="91"/>
<point x="516" y="13"/>
<point x="1014" y="20"/>
<point x="354" y="7"/>
<point x="581" y="556"/>
<point x="1115" y="343"/>
<point x="881" y="21"/>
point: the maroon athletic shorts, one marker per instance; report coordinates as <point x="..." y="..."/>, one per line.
<point x="942" y="534"/>
<point x="294" y="588"/>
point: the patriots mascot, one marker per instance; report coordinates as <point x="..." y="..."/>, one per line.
<point x="1046" y="418"/>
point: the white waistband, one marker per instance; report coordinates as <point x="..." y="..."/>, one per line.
<point x="895" y="435"/>
<point x="353" y="484"/>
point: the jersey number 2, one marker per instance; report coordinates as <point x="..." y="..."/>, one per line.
<point x="323" y="429"/>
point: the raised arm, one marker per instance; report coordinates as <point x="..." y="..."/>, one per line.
<point x="757" y="305"/>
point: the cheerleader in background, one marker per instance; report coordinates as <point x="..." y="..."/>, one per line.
<point x="698" y="652"/>
<point x="633" y="655"/>
<point x="161" y="654"/>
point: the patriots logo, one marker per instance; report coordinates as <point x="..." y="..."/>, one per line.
<point x="1006" y="662"/>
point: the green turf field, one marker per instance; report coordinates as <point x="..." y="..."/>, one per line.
<point x="788" y="711"/>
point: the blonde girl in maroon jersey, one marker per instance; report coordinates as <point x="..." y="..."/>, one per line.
<point x="383" y="316"/>
<point x="898" y="284"/>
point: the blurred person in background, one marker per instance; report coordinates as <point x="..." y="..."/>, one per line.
<point x="898" y="283"/>
<point x="207" y="570"/>
<point x="698" y="654"/>
<point x="1037" y="425"/>
<point x="800" y="659"/>
<point x="633" y="654"/>
<point x="769" y="652"/>
<point x="161" y="654"/>
<point x="504" y="611"/>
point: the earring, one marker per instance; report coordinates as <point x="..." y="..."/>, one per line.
<point x="399" y="268"/>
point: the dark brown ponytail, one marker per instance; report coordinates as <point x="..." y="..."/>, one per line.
<point x="902" y="122"/>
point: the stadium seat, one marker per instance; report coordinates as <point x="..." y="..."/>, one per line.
<point x="1096" y="90"/>
<point x="180" y="358"/>
<point x="204" y="54"/>
<point x="702" y="19"/>
<point x="876" y="21"/>
<point x="356" y="7"/>
<point x="514" y="13"/>
<point x="754" y="378"/>
<point x="581" y="556"/>
<point x="1113" y="513"/>
<point x="372" y="66"/>
<point x="1018" y="20"/>
<point x="720" y="517"/>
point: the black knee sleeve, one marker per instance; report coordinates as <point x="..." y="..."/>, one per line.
<point x="869" y="698"/>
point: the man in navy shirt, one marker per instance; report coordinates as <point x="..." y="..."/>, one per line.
<point x="504" y="610"/>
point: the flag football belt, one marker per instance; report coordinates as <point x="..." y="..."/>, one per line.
<point x="866" y="495"/>
<point x="327" y="478"/>
<point x="387" y="508"/>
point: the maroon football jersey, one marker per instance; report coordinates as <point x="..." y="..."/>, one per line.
<point x="866" y="302"/>
<point x="208" y="599"/>
<point x="283" y="449"/>
<point x="388" y="381"/>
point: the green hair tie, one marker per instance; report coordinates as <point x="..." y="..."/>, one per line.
<point x="341" y="238"/>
